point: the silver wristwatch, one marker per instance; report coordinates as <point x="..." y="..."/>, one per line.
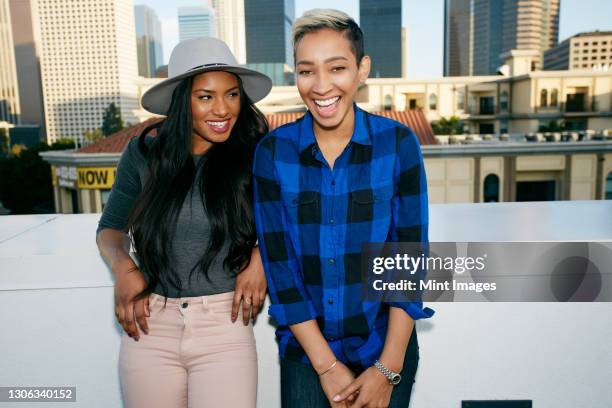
<point x="394" y="378"/>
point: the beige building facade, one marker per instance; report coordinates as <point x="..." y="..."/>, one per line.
<point x="9" y="88"/>
<point x="507" y="172"/>
<point x="518" y="101"/>
<point x="88" y="61"/>
<point x="591" y="50"/>
<point x="522" y="101"/>
<point x="230" y="26"/>
<point x="473" y="173"/>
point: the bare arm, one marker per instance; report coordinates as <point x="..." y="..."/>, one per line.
<point x="114" y="246"/>
<point x="314" y="344"/>
<point x="396" y="342"/>
<point x="321" y="356"/>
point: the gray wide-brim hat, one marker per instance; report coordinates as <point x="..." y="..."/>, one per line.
<point x="192" y="57"/>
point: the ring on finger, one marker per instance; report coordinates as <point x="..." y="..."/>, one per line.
<point x="247" y="300"/>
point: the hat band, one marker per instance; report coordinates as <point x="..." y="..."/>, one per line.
<point x="216" y="64"/>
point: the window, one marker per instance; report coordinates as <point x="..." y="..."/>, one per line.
<point x="609" y="186"/>
<point x="487" y="105"/>
<point x="388" y="103"/>
<point x="486" y="128"/>
<point x="491" y="189"/>
<point x="105" y="194"/>
<point x="433" y="101"/>
<point x="503" y="126"/>
<point x="554" y="97"/>
<point x="536" y="190"/>
<point x="503" y="101"/>
<point x="543" y="98"/>
<point x="460" y="100"/>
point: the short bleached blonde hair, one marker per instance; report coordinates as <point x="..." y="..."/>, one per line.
<point x="318" y="19"/>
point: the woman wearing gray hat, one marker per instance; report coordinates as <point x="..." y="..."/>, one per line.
<point x="184" y="198"/>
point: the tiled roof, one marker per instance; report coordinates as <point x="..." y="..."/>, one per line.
<point x="116" y="142"/>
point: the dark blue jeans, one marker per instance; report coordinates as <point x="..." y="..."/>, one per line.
<point x="300" y="386"/>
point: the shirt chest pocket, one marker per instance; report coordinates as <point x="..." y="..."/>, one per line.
<point x="369" y="204"/>
<point x="303" y="207"/>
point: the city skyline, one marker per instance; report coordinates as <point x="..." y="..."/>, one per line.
<point x="478" y="32"/>
<point x="424" y="20"/>
<point x="148" y="40"/>
<point x="196" y="21"/>
<point x="384" y="25"/>
<point x="83" y="74"/>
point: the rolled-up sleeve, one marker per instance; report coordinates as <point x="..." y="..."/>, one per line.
<point x="124" y="192"/>
<point x="291" y="303"/>
<point x="410" y="221"/>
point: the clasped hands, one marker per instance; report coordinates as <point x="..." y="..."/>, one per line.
<point x="371" y="389"/>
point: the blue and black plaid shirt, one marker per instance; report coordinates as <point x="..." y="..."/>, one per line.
<point x="312" y="220"/>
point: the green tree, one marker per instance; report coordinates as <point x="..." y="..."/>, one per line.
<point x="552" y="126"/>
<point x="4" y="141"/>
<point x="112" y="121"/>
<point x="25" y="185"/>
<point x="93" y="135"/>
<point x="16" y="149"/>
<point x="450" y="126"/>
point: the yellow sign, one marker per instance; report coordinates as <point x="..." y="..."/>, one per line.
<point x="53" y="176"/>
<point x="96" y="177"/>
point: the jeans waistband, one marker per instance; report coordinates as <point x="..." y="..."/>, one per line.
<point x="191" y="300"/>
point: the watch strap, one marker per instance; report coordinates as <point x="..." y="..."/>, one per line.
<point x="393" y="377"/>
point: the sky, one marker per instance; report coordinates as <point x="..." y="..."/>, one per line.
<point x="423" y="18"/>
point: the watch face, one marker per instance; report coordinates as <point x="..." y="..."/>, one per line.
<point x="396" y="379"/>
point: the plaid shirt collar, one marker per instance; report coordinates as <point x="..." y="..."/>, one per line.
<point x="361" y="132"/>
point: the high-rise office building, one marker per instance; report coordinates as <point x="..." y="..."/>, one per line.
<point x="9" y="92"/>
<point x="592" y="50"/>
<point x="404" y="52"/>
<point x="457" y="37"/>
<point x="476" y="32"/>
<point x="88" y="61"/>
<point x="196" y="22"/>
<point x="487" y="38"/>
<point x="268" y="31"/>
<point x="381" y="22"/>
<point x="148" y="41"/>
<point x="230" y="26"/>
<point x="27" y="61"/>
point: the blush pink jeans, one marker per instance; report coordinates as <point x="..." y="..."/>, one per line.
<point x="193" y="357"/>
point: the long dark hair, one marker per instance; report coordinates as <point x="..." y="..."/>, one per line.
<point x="225" y="187"/>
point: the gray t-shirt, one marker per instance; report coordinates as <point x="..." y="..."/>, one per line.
<point x="192" y="233"/>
